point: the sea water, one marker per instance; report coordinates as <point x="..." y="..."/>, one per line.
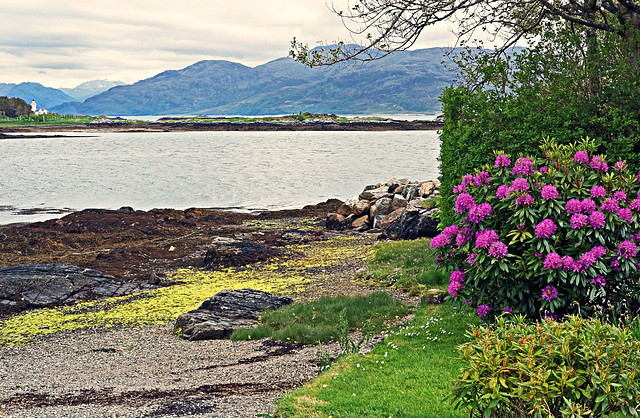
<point x="236" y="170"/>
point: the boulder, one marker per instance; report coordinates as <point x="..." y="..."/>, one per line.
<point x="412" y="223"/>
<point x="380" y="207"/>
<point x="361" y="207"/>
<point x="390" y="218"/>
<point x="40" y="285"/>
<point x="226" y="311"/>
<point x="398" y="202"/>
<point x="426" y="189"/>
<point x="374" y="193"/>
<point x="344" y="210"/>
<point x="232" y="252"/>
<point x="410" y="192"/>
<point x="336" y="222"/>
<point x="352" y="201"/>
<point x="361" y="223"/>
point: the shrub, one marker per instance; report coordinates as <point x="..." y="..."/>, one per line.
<point x="580" y="367"/>
<point x="554" y="235"/>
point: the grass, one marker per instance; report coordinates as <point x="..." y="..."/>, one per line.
<point x="319" y="321"/>
<point x="409" y="375"/>
<point x="409" y="266"/>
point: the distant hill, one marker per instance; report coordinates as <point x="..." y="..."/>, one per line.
<point x="407" y="81"/>
<point x="45" y="97"/>
<point x="90" y="88"/>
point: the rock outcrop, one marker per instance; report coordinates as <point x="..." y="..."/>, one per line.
<point x="399" y="208"/>
<point x="41" y="285"/>
<point x="228" y="310"/>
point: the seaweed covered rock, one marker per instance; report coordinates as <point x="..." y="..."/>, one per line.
<point x="219" y="316"/>
<point x="232" y="252"/>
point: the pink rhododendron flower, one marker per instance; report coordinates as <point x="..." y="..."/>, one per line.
<point x="464" y="202"/>
<point x="598" y="163"/>
<point x="520" y="184"/>
<point x="552" y="261"/>
<point x="596" y="219"/>
<point x="479" y="212"/>
<point x="545" y="229"/>
<point x="627" y="249"/>
<point x="502" y="192"/>
<point x="620" y="166"/>
<point x="498" y="250"/>
<point x="483" y="310"/>
<point x="588" y="206"/>
<point x="599" y="280"/>
<point x="598" y="191"/>
<point x="620" y="196"/>
<point x="549" y="192"/>
<point x="549" y="293"/>
<point x="578" y="220"/>
<point x="502" y="161"/>
<point x="524" y="200"/>
<point x="625" y="214"/>
<point x="610" y="205"/>
<point x="574" y="206"/>
<point x="581" y="157"/>
<point x="523" y="167"/>
<point x="485" y="238"/>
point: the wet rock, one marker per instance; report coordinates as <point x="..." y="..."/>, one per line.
<point x="228" y="310"/>
<point x="40" y="285"/>
<point x="412" y="223"/>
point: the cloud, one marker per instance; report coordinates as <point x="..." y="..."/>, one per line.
<point x="61" y="43"/>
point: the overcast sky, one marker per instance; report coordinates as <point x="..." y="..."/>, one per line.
<point x="62" y="43"/>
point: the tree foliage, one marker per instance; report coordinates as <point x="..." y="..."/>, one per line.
<point x="13" y="107"/>
<point x="383" y="26"/>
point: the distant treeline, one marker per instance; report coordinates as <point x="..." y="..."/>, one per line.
<point x="13" y="107"/>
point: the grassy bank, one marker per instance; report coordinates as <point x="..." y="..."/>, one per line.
<point x="45" y="120"/>
<point x="408" y="375"/>
<point x="411" y="372"/>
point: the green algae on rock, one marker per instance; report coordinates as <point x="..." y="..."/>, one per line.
<point x="298" y="268"/>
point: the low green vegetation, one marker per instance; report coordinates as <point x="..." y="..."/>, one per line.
<point x="409" y="266"/>
<point x="319" y="321"/>
<point x="578" y="367"/>
<point x="408" y="375"/>
<point x="43" y="120"/>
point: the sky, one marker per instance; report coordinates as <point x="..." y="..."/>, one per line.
<point x="63" y="43"/>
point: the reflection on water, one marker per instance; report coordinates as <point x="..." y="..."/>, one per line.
<point x="247" y="170"/>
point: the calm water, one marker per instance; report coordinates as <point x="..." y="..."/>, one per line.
<point x="245" y="170"/>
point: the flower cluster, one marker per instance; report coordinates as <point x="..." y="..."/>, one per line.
<point x="536" y="230"/>
<point x="523" y="167"/>
<point x="545" y="229"/>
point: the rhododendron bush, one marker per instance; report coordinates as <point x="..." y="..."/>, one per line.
<point x="547" y="237"/>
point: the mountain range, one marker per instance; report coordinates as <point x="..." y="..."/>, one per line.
<point x="403" y="82"/>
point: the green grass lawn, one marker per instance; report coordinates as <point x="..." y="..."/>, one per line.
<point x="411" y="372"/>
<point x="409" y="375"/>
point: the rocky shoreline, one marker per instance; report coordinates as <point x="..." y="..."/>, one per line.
<point x="110" y="125"/>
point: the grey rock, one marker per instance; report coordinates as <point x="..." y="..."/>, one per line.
<point x="228" y="310"/>
<point x="398" y="202"/>
<point x="361" y="207"/>
<point x="411" y="224"/>
<point x="381" y="207"/>
<point x="40" y="285"/>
